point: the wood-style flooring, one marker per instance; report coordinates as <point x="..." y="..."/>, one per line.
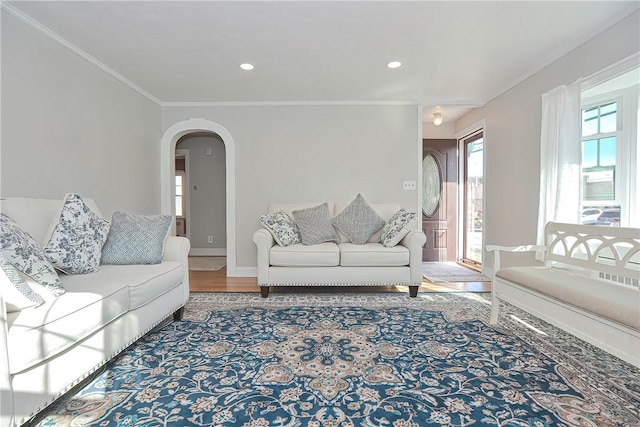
<point x="217" y="281"/>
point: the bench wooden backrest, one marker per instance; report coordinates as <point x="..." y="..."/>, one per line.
<point x="612" y="253"/>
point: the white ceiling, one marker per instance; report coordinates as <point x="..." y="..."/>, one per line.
<point x="456" y="55"/>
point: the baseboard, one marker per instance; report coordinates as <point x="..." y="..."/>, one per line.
<point x="208" y="252"/>
<point x="242" y="272"/>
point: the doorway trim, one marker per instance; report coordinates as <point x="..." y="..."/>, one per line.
<point x="168" y="170"/>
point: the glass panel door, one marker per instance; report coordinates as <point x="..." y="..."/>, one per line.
<point x="473" y="198"/>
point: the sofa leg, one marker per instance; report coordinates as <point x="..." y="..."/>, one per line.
<point x="177" y="315"/>
<point x="413" y="291"/>
<point x="264" y="291"/>
<point x="495" y="308"/>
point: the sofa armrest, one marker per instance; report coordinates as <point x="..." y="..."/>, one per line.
<point x="177" y="249"/>
<point x="6" y="392"/>
<point x="414" y="240"/>
<point x="264" y="242"/>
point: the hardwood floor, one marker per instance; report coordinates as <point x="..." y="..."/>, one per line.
<point x="217" y="281"/>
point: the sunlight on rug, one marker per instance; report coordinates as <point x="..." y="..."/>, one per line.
<point x="355" y="360"/>
<point x="437" y="272"/>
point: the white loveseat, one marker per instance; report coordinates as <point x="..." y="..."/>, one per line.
<point x="339" y="263"/>
<point x="588" y="285"/>
<point x="46" y="350"/>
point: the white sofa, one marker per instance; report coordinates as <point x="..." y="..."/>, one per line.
<point x="46" y="350"/>
<point x="588" y="285"/>
<point x="341" y="263"/>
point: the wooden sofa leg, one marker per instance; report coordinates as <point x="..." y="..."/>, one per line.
<point x="413" y="291"/>
<point x="177" y="315"/>
<point x="264" y="291"/>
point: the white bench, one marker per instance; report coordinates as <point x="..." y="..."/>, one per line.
<point x="587" y="285"/>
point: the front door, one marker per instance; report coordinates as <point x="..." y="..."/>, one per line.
<point x="439" y="191"/>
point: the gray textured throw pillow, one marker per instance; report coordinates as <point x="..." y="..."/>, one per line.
<point x="396" y="228"/>
<point x="358" y="221"/>
<point x="17" y="293"/>
<point x="315" y="225"/>
<point x="136" y="239"/>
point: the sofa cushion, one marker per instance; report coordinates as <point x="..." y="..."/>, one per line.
<point x="324" y="254"/>
<point x="610" y="300"/>
<point x="358" y="221"/>
<point x="39" y="333"/>
<point x="282" y="228"/>
<point x="92" y="301"/>
<point x="397" y="227"/>
<point x="16" y="292"/>
<point x="24" y="253"/>
<point x="136" y="239"/>
<point x="315" y="225"/>
<point x="372" y="255"/>
<point x="77" y="238"/>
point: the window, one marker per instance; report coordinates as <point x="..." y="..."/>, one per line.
<point x="473" y="174"/>
<point x="180" y="196"/>
<point x="609" y="147"/>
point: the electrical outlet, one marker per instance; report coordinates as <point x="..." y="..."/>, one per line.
<point x="210" y="239"/>
<point x="408" y="185"/>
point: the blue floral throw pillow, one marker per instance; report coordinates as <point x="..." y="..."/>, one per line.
<point x="396" y="228"/>
<point x="24" y="253"/>
<point x="281" y="226"/>
<point x="75" y="246"/>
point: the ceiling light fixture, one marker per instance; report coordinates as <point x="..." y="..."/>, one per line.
<point x="246" y="67"/>
<point x="437" y="118"/>
<point x="394" y="64"/>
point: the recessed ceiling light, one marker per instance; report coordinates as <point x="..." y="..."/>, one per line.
<point x="246" y="67"/>
<point x="394" y="64"/>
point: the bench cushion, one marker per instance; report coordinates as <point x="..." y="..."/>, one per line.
<point x="373" y="255"/>
<point x="618" y="303"/>
<point x="322" y="255"/>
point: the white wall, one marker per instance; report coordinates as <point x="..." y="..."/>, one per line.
<point x="207" y="189"/>
<point x="313" y="153"/>
<point x="444" y="131"/>
<point x="512" y="137"/>
<point x="69" y="127"/>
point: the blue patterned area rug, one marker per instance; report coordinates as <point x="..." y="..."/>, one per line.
<point x="355" y="360"/>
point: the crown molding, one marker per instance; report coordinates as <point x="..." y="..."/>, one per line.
<point x="443" y="103"/>
<point x="35" y="25"/>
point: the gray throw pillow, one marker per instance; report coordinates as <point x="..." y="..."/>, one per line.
<point x="315" y="225"/>
<point x="396" y="228"/>
<point x="358" y="221"/>
<point x="136" y="239"/>
<point x="24" y="253"/>
<point x="17" y="293"/>
<point x="75" y="245"/>
<point x="281" y="226"/>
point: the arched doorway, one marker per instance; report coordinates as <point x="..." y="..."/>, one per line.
<point x="167" y="172"/>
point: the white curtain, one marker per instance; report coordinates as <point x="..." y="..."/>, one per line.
<point x="560" y="157"/>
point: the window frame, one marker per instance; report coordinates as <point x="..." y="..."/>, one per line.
<point x="182" y="197"/>
<point x="626" y="169"/>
